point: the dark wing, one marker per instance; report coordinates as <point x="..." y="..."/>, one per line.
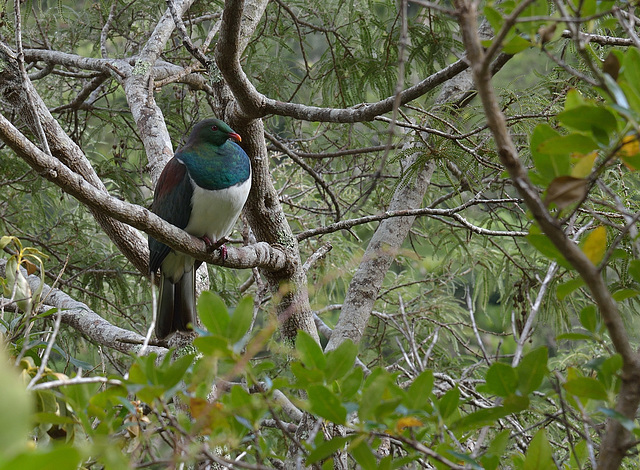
<point x="172" y="202"/>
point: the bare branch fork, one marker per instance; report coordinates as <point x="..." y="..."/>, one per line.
<point x="616" y="439"/>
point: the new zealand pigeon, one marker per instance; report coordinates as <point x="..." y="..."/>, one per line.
<point x="201" y="190"/>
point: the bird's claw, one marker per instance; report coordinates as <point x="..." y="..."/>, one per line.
<point x="223" y="251"/>
<point x="207" y="241"/>
<point x="218" y="245"/>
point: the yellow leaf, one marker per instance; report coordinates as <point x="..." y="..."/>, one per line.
<point x="630" y="146"/>
<point x="596" y="244"/>
<point x="407" y="422"/>
<point x="583" y="165"/>
<point x="199" y="407"/>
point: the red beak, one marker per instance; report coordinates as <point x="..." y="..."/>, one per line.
<point x="234" y="136"/>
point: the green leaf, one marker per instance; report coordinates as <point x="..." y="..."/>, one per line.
<point x="573" y="99"/>
<point x="326" y="449"/>
<point x="515" y="44"/>
<point x="624" y="294"/>
<point x="325" y="404"/>
<point x="58" y="458"/>
<point x="240" y="320"/>
<point x="340" y="360"/>
<point x="546" y="247"/>
<point x="502" y="379"/>
<point x="588" y="117"/>
<point x="547" y="167"/>
<point x="589" y="318"/>
<point x="626" y="423"/>
<point x="586" y="387"/>
<point x="419" y="392"/>
<point x="574" y="336"/>
<point x="634" y="269"/>
<point x="496" y="451"/>
<point x="362" y="453"/>
<point x="212" y="345"/>
<point x="629" y="77"/>
<point x="350" y="385"/>
<point x="608" y="370"/>
<point x="499" y="443"/>
<point x="310" y="352"/>
<point x="566" y="288"/>
<point x="79" y="395"/>
<point x="213" y="313"/>
<point x="107" y="398"/>
<point x="630" y="68"/>
<point x="149" y="393"/>
<point x="633" y="97"/>
<point x="532" y="369"/>
<point x="616" y="92"/>
<point x="566" y="145"/>
<point x="583" y="164"/>
<point x="15" y="408"/>
<point x="515" y="403"/>
<point x="373" y="389"/>
<point x="448" y="403"/>
<point x="305" y="376"/>
<point x="175" y="372"/>
<point x="632" y="162"/>
<point x="52" y="418"/>
<point x="4" y="241"/>
<point x="536" y="8"/>
<point x="494" y="17"/>
<point x="539" y="456"/>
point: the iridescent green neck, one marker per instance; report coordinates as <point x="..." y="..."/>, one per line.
<point x="216" y="167"/>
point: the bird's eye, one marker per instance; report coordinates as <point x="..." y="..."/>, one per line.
<point x="214" y="128"/>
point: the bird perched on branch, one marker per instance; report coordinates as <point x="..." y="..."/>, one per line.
<point x="202" y="190"/>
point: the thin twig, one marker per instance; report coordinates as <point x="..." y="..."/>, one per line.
<point x="47" y="352"/>
<point x="74" y="381"/>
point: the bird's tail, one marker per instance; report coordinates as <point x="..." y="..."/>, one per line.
<point x="176" y="304"/>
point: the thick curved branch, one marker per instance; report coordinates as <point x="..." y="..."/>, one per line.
<point x="264" y="213"/>
<point x="509" y="158"/>
<point x="120" y="67"/>
<point x="259" y="255"/>
<point x="33" y="111"/>
<point x="80" y="317"/>
<point x="138" y="88"/>
<point x="252" y="104"/>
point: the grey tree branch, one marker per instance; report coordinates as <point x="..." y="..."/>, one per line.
<point x="388" y="238"/>
<point x="62" y="147"/>
<point x="264" y="213"/>
<point x="80" y="317"/>
<point x="258" y="255"/>
<point x="138" y="88"/>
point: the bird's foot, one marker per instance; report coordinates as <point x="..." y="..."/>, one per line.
<point x="217" y="245"/>
<point x="207" y="241"/>
<point x="223" y="251"/>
